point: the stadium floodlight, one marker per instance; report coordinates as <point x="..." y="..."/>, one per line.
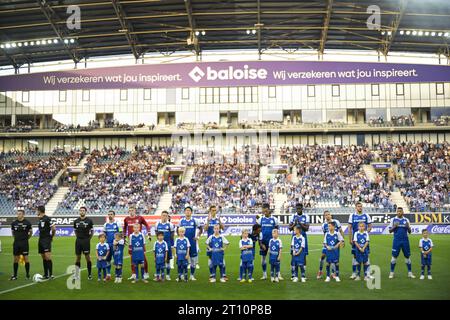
<point x="38" y="42"/>
<point x="32" y="43"/>
<point x="203" y="32"/>
<point x="414" y="33"/>
<point x="55" y="40"/>
<point x="408" y="32"/>
<point x="254" y="31"/>
<point x="2" y="45"/>
<point x="25" y="44"/>
<point x="197" y="33"/>
<point x="66" y="41"/>
<point x="402" y="32"/>
<point x="13" y="45"/>
<point x="248" y="31"/>
<point x="433" y="34"/>
<point x="440" y="34"/>
<point x="19" y="44"/>
<point x="427" y="33"/>
<point x="446" y="34"/>
<point x="8" y="45"/>
<point x="382" y="33"/>
<point x="420" y="33"/>
<point x="389" y="33"/>
<point x="72" y="40"/>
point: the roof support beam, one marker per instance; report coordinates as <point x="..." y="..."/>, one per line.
<point x="192" y="26"/>
<point x="126" y="27"/>
<point x="49" y="13"/>
<point x="258" y="28"/>
<point x="13" y="61"/>
<point x="326" y="24"/>
<point x="393" y="28"/>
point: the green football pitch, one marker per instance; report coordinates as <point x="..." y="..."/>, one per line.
<point x="398" y="288"/>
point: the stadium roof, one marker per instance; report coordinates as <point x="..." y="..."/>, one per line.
<point x="143" y="26"/>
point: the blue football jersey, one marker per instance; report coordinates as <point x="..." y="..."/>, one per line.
<point x="401" y="232"/>
<point x="191" y="227"/>
<point x="181" y="246"/>
<point x="246" y="254"/>
<point x="267" y="225"/>
<point x="216" y="243"/>
<point x="361" y="238"/>
<point x="325" y="225"/>
<point x="296" y="218"/>
<point x="160" y="249"/>
<point x="425" y="244"/>
<point x="212" y="223"/>
<point x="118" y="252"/>
<point x="355" y="219"/>
<point x="275" y="245"/>
<point x="110" y="229"/>
<point x="332" y="239"/>
<point x="297" y="243"/>
<point x="166" y="228"/>
<point x="137" y="246"/>
<point x="102" y="249"/>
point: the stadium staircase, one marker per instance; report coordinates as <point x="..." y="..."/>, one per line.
<point x="164" y="202"/>
<point x="397" y="198"/>
<point x="188" y="175"/>
<point x="279" y="199"/>
<point x="58" y="197"/>
<point x="263" y="172"/>
<point x="370" y="172"/>
<point x="294" y="175"/>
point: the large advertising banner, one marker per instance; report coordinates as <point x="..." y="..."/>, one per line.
<point x="218" y="74"/>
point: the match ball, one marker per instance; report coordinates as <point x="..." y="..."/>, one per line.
<point x="37" y="278"/>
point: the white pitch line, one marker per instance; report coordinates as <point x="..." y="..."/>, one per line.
<point x="94" y="266"/>
<point x="83" y="269"/>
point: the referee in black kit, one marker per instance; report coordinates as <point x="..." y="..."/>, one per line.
<point x="84" y="230"/>
<point x="21" y="231"/>
<point x="47" y="231"/>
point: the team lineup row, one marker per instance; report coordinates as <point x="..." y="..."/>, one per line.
<point x="183" y="250"/>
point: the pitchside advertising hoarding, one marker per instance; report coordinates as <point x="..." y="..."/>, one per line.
<point x="217" y="74"/>
<point x="437" y="223"/>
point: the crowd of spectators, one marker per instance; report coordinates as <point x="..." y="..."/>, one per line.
<point x="334" y="173"/>
<point x="230" y="181"/>
<point x="397" y="121"/>
<point x="119" y="183"/>
<point x="442" y="121"/>
<point x="426" y="168"/>
<point x="25" y="178"/>
<point x="20" y="126"/>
